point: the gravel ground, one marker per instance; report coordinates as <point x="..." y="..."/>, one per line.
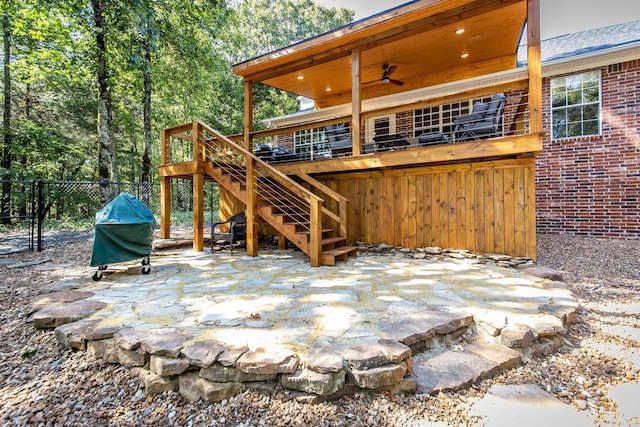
<point x="42" y="383"/>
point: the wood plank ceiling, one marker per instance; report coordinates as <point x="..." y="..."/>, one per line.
<point x="423" y="39"/>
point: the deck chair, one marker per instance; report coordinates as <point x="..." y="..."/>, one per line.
<point x="485" y="120"/>
<point x="237" y="230"/>
<point x="339" y="139"/>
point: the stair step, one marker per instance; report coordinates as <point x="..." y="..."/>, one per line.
<point x="338" y="254"/>
<point x="332" y="240"/>
<point x="307" y="232"/>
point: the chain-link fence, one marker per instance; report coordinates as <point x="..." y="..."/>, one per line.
<point x="35" y="213"/>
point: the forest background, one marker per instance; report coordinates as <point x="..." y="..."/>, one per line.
<point x="88" y="84"/>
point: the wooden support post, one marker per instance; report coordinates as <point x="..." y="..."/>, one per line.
<point x="165" y="144"/>
<point x="165" y="207"/>
<point x="315" y="239"/>
<point x="535" y="116"/>
<point x="248" y="114"/>
<point x="282" y="242"/>
<point x="534" y="66"/>
<point x="356" y="102"/>
<point x="251" y="201"/>
<point x="198" y="211"/>
<point x="165" y="187"/>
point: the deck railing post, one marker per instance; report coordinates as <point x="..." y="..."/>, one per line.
<point x="251" y="208"/>
<point x="315" y="239"/>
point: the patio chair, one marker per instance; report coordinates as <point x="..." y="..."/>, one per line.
<point x="339" y="139"/>
<point x="485" y="120"/>
<point x="237" y="230"/>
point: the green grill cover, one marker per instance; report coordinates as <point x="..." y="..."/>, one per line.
<point x="124" y="231"/>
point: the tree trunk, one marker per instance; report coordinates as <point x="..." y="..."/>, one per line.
<point x="105" y="159"/>
<point x="5" y="209"/>
<point x="145" y="175"/>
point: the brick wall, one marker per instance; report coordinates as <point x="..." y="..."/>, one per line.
<point x="404" y="124"/>
<point x="590" y="186"/>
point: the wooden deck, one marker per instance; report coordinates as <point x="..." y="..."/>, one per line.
<point x="477" y="195"/>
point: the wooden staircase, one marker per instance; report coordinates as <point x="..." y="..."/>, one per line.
<point x="283" y="201"/>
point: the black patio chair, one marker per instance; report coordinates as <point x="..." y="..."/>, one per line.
<point x="485" y="120"/>
<point x="237" y="230"/>
<point x="339" y="139"/>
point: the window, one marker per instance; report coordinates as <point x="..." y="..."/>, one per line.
<point x="439" y="118"/>
<point x="382" y="125"/>
<point x="575" y="105"/>
<point x="310" y="144"/>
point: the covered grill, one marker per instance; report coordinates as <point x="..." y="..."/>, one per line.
<point x="124" y="232"/>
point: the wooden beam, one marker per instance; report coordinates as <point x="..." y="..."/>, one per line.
<point x="165" y="207"/>
<point x="198" y="212"/>
<point x="180" y="169"/>
<point x="459" y="152"/>
<point x="356" y="103"/>
<point x="534" y="66"/>
<point x="248" y="113"/>
<point x="251" y="201"/>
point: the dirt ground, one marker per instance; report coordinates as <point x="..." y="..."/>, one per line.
<point x="42" y="383"/>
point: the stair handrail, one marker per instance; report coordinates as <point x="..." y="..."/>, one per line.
<point x="254" y="166"/>
<point x="279" y="176"/>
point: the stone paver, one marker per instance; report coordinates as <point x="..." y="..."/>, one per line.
<point x="210" y="325"/>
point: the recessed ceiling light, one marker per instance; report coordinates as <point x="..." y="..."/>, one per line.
<point x="460" y="30"/>
<point x="300" y="77"/>
<point x="464" y="55"/>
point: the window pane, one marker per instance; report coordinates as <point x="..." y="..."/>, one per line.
<point x="559" y="84"/>
<point x="590" y="112"/>
<point x="574" y="83"/>
<point x="574" y="114"/>
<point x="574" y="129"/>
<point x="559" y="99"/>
<point x="559" y="117"/>
<point x="574" y="97"/>
<point x="591" y="127"/>
<point x="592" y="94"/>
<point x="559" y="131"/>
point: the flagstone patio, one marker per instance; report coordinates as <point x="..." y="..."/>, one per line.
<point x="212" y="324"/>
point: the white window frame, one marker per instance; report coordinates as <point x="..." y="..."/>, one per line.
<point x="370" y="125"/>
<point x="558" y="112"/>
<point x="445" y="124"/>
<point x="317" y="146"/>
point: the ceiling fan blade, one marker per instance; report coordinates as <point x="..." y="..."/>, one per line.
<point x="396" y="82"/>
<point x="391" y="70"/>
<point x="370" y="82"/>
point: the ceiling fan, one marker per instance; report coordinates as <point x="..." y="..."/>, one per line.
<point x="387" y="70"/>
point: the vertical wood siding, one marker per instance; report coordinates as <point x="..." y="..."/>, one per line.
<point x="482" y="207"/>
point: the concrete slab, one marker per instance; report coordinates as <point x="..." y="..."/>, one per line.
<point x="525" y="406"/>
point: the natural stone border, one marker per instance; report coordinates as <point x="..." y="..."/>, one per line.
<point x="438" y="253"/>
<point x="207" y="370"/>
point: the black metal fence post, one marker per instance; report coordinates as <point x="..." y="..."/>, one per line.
<point x="32" y="214"/>
<point x="40" y="213"/>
